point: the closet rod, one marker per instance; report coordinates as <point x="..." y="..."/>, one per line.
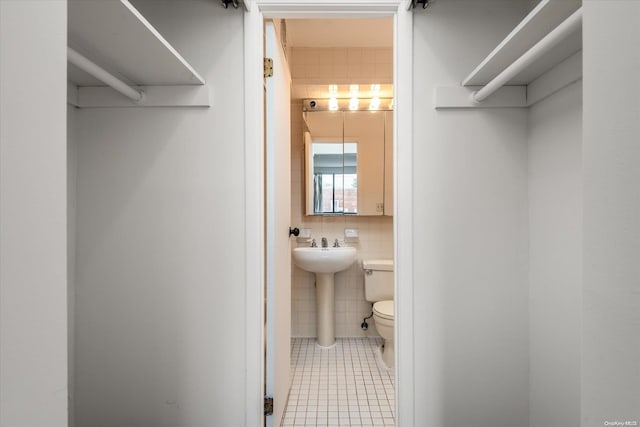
<point x="559" y="33"/>
<point x="103" y="75"/>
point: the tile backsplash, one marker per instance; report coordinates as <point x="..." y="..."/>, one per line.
<point x="341" y="65"/>
<point x="375" y="241"/>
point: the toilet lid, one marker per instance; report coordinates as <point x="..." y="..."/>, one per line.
<point x="384" y="309"/>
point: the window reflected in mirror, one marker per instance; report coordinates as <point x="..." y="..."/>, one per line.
<point x="335" y="177"/>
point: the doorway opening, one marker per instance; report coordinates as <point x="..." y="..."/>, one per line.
<point x="341" y="192"/>
<point x="400" y="220"/>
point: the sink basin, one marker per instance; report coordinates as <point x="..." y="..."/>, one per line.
<point x="324" y="260"/>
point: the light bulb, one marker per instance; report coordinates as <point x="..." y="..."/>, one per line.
<point x="353" y="103"/>
<point x="333" y="104"/>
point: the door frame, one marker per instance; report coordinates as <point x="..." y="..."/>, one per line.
<point x="254" y="185"/>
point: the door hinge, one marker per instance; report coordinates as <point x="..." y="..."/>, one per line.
<point x="268" y="67"/>
<point x="268" y="405"/>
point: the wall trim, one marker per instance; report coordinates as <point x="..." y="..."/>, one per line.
<point x="254" y="232"/>
<point x="154" y="96"/>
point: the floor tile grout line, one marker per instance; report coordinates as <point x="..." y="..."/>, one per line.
<point x="349" y="371"/>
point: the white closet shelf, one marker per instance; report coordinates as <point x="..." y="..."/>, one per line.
<point x="543" y="46"/>
<point x="115" y="35"/>
<point x="546" y="16"/>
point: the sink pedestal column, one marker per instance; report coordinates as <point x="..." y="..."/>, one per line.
<point x="326" y="318"/>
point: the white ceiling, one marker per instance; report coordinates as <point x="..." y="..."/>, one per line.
<point x="340" y="32"/>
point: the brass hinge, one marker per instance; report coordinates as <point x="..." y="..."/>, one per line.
<point x="268" y="405"/>
<point x="268" y="67"/>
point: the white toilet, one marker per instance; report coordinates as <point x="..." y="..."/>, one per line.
<point x="378" y="289"/>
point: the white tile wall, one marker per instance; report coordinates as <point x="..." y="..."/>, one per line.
<point x="376" y="241"/>
<point x="341" y="65"/>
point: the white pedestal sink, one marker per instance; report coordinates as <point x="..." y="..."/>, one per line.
<point x="325" y="262"/>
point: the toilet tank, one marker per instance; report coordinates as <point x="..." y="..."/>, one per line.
<point x="378" y="279"/>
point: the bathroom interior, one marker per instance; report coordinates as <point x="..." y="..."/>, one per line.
<point x="341" y="196"/>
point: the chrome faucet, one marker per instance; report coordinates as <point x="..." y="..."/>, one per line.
<point x="313" y="243"/>
<point x="325" y="244"/>
<point x="336" y="243"/>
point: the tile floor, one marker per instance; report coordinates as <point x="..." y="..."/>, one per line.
<point x="346" y="385"/>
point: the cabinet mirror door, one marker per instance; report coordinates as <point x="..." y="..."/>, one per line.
<point x="345" y="162"/>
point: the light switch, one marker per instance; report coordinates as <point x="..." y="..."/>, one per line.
<point x="351" y="235"/>
<point x="304" y="236"/>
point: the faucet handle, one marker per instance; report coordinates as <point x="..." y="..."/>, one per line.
<point x="313" y="243"/>
<point x="336" y="243"/>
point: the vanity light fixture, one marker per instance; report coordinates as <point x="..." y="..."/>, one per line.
<point x="333" y="97"/>
<point x="372" y="97"/>
<point x="354" y="101"/>
<point x="374" y="104"/>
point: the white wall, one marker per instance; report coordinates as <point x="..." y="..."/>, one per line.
<point x="470" y="240"/>
<point x="611" y="155"/>
<point x="33" y="214"/>
<point x="342" y="65"/>
<point x="555" y="248"/>
<point x="160" y="252"/>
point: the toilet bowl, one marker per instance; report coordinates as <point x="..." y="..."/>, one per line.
<point x="384" y="321"/>
<point x="378" y="289"/>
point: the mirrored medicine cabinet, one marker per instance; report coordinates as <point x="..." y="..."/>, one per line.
<point x="348" y="162"/>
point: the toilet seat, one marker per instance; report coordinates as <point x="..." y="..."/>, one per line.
<point x="384" y="309"/>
